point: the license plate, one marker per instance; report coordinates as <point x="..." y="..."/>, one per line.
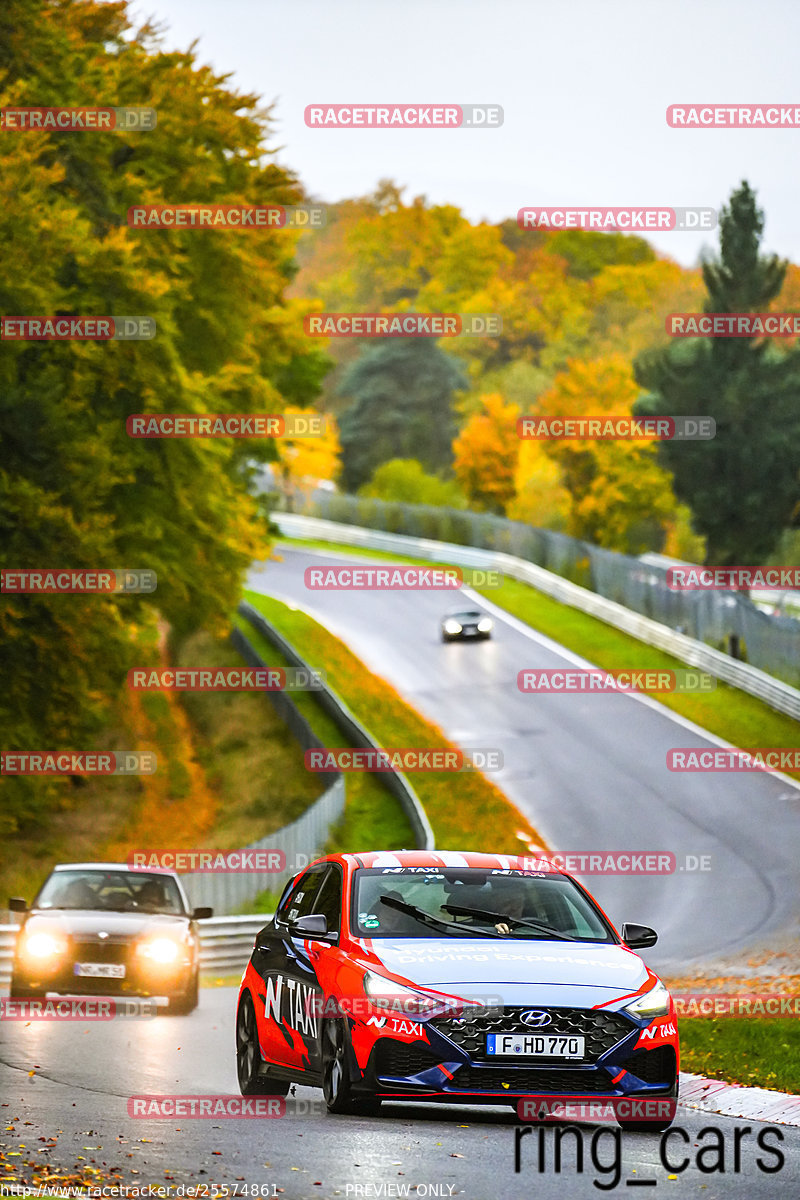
<point x="101" y="970"/>
<point x="535" y="1045"/>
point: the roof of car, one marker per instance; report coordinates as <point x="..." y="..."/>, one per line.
<point x="449" y="858"/>
<point x="110" y="866"/>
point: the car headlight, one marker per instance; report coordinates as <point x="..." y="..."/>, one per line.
<point x="485" y="624"/>
<point x="451" y="626"/>
<point x="159" y="949"/>
<point x="385" y="993"/>
<point x="654" y="1003"/>
<point x="42" y="945"/>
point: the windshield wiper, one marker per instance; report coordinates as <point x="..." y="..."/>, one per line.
<point x="548" y="930"/>
<point x="426" y="918"/>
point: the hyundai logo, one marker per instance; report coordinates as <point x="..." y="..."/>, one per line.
<point x="536" y="1017"/>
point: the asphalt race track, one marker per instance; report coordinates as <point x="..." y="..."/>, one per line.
<point x="84" y="1072"/>
<point x="589" y="771"/>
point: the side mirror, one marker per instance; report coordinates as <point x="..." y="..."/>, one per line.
<point x="638" y="937"/>
<point x="17" y="904"/>
<point x="315" y="925"/>
<point x="202" y="914"/>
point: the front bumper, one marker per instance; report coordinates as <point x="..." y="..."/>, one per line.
<point x="467" y="635"/>
<point x="142" y="976"/>
<point x="455" y="1065"/>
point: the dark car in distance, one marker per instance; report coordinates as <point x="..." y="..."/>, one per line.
<point x="466" y="625"/>
<point x="102" y="929"/>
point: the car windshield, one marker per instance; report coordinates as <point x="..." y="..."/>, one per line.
<point x="111" y="891"/>
<point x="473" y="902"/>
<point x="464" y="616"/>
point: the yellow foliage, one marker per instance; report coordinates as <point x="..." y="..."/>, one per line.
<point x="485" y="454"/>
<point x="305" y="460"/>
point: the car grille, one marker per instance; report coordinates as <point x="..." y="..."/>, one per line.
<point x="652" y="1066"/>
<point x="403" y="1058"/>
<point x="97" y="951"/>
<point x="531" y="1079"/>
<point x="602" y="1030"/>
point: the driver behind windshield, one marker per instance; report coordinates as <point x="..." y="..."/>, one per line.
<point x="151" y="895"/>
<point x="500" y="896"/>
<point x="75" y="894"/>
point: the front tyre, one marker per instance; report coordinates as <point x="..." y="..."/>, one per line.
<point x="336" y="1080"/>
<point x="249" y="1063"/>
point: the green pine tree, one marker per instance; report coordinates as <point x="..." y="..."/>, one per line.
<point x="402" y="392"/>
<point x="743" y="487"/>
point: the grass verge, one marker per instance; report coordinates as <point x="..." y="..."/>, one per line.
<point x="757" y="1052"/>
<point x="372" y="815"/>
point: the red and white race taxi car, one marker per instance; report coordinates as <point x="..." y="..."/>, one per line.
<point x="451" y="977"/>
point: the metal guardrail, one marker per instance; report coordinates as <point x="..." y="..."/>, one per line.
<point x="8" y="935"/>
<point x="351" y="727"/>
<point x="774" y="692"/>
<point x="225" y="944"/>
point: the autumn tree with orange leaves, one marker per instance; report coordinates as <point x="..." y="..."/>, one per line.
<point x="485" y="454"/>
<point x="620" y="497"/>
